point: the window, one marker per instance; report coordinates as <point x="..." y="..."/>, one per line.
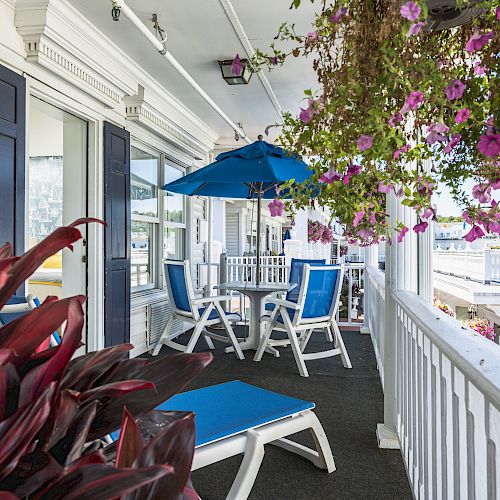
<point x="158" y="217"/>
<point x="174" y="219"/>
<point x="144" y="184"/>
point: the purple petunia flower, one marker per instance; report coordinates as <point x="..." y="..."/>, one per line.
<point x="477" y="41"/>
<point x="415" y="28"/>
<point x="421" y="228"/>
<point x="312" y="36"/>
<point x="482" y="193"/>
<point x="276" y="208"/>
<point x="401" y="151"/>
<point x="351" y="170"/>
<point x="413" y="101"/>
<point x="358" y="217"/>
<point x="336" y="18"/>
<point x="437" y="133"/>
<point x="402" y="234"/>
<point x="479" y="69"/>
<point x="373" y="218"/>
<point x="498" y="14"/>
<point x="495" y="184"/>
<point x="330" y="177"/>
<point x="410" y="10"/>
<point x="306" y="115"/>
<point x="427" y="213"/>
<point x="489" y="145"/>
<point x="395" y="119"/>
<point x="455" y="139"/>
<point x="455" y="90"/>
<point x="273" y="60"/>
<point x="475" y="233"/>
<point x="384" y="188"/>
<point x="462" y="115"/>
<point x="237" y="66"/>
<point x="365" y="142"/>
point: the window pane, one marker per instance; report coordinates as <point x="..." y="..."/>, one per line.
<point x="173" y="243"/>
<point x="142" y="245"/>
<point x="174" y="203"/>
<point x="144" y="183"/>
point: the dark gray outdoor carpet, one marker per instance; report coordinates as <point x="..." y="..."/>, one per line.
<point x="349" y="404"/>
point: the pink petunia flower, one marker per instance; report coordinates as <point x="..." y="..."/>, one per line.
<point x="498" y="14"/>
<point x="305" y="115"/>
<point x="384" y="188"/>
<point x="467" y="217"/>
<point x="413" y="101"/>
<point x="479" y="69"/>
<point x="358" y="217"/>
<point x="489" y="145"/>
<point x="410" y="10"/>
<point x="351" y="170"/>
<point x="475" y="233"/>
<point x="312" y="36"/>
<point x="373" y="218"/>
<point x="402" y="234"/>
<point x="365" y="142"/>
<point x="455" y="90"/>
<point x="421" y="228"/>
<point x="427" y="213"/>
<point x="237" y="66"/>
<point x="395" y="119"/>
<point x="330" y="177"/>
<point x="477" y="41"/>
<point x="437" y="133"/>
<point x="490" y="127"/>
<point x="276" y="208"/>
<point x="336" y="18"/>
<point x="401" y="151"/>
<point x="495" y="184"/>
<point x="415" y="28"/>
<point x="462" y="115"/>
<point x="455" y="139"/>
<point x="441" y="63"/>
<point x="482" y="193"/>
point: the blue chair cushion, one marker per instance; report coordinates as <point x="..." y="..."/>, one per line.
<point x="215" y="315"/>
<point x="269" y="307"/>
<point x="228" y="409"/>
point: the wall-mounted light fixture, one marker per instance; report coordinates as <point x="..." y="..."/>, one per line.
<point x="116" y="11"/>
<point x="242" y="76"/>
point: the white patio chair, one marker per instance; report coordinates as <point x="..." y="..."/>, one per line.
<point x="312" y="307"/>
<point x="201" y="312"/>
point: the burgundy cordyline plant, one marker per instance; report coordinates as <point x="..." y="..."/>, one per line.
<point x="55" y="410"/>
<point x="399" y="108"/>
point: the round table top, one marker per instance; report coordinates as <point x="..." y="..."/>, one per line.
<point x="240" y="286"/>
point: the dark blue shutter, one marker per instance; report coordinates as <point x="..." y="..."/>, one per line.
<point x="12" y="158"/>
<point x="117" y="235"/>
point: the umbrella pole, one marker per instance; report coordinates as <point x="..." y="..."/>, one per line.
<point x="259" y="210"/>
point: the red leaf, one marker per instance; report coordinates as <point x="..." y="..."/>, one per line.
<point x="130" y="443"/>
<point x="87" y="220"/>
<point x="83" y="371"/>
<point x="101" y="482"/>
<point x="173" y="445"/>
<point x="7" y="495"/>
<point x="93" y="458"/>
<point x="23" y="267"/>
<point x="37" y="379"/>
<point x="6" y="251"/>
<point x="19" y="430"/>
<point x="169" y="374"/>
<point x="9" y="390"/>
<point x="26" y="333"/>
<point x="115" y="389"/>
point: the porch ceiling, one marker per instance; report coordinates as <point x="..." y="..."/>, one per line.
<point x="200" y="34"/>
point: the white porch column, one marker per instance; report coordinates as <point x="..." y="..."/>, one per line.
<point x="371" y="260"/>
<point x="400" y="274"/>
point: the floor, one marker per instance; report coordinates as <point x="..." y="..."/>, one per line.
<point x="349" y="403"/>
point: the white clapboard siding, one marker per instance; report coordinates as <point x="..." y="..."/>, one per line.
<point x="233" y="235"/>
<point x="158" y="314"/>
<point x="138" y="330"/>
<point x="198" y="250"/>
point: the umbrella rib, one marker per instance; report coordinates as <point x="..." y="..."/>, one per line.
<point x="199" y="189"/>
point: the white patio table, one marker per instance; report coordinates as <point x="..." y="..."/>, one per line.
<point x="256" y="294"/>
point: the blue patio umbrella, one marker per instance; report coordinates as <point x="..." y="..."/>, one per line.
<point x="250" y="172"/>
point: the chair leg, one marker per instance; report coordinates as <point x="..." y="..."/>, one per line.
<point x="294" y="341"/>
<point x="328" y="333"/>
<point x="164" y="335"/>
<point x="267" y="335"/>
<point x="230" y="332"/>
<point x="339" y="342"/>
<point x="199" y="329"/>
<point x="209" y="342"/>
<point x="322" y="445"/>
<point x="305" y="339"/>
<point x="249" y="468"/>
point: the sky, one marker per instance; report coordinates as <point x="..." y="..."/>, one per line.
<point x="445" y="204"/>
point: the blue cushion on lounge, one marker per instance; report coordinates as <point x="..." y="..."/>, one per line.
<point x="270" y="307"/>
<point x="215" y="314"/>
<point x="228" y="409"/>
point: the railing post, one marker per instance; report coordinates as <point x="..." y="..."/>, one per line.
<point x="371" y="260"/>
<point x="487" y="266"/>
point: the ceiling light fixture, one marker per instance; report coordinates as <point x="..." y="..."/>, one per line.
<point x="116" y="11"/>
<point x="241" y="76"/>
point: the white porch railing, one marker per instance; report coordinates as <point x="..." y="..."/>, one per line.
<point x="447" y="398"/>
<point x="483" y="266"/>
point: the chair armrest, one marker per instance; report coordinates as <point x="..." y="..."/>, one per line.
<point x="206" y="300"/>
<point x="284" y="303"/>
